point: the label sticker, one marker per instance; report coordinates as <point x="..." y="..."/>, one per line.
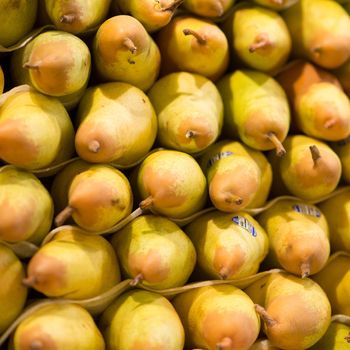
<point x="217" y="157"/>
<point x="307" y="210"/>
<point x="244" y="223"/>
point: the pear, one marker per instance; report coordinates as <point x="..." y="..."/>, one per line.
<point x="193" y="45"/>
<point x="335" y="281"/>
<point x="142" y="320"/>
<point x="298" y="236"/>
<point x="276" y="5"/>
<point x="190" y="111"/>
<point x="55" y="63"/>
<point x="258" y="37"/>
<point x="116" y="123"/>
<point x="77" y="16"/>
<point x="208" y="8"/>
<point x="171" y="183"/>
<point x="155" y="251"/>
<point x="35" y="131"/>
<point x="20" y="12"/>
<point x="334" y="339"/>
<point x="342" y="149"/>
<point x="2" y="81"/>
<point x="73" y="265"/>
<point x="260" y="114"/>
<point x="320" y="31"/>
<point x="218" y="318"/>
<point x="13" y="294"/>
<point x="153" y="14"/>
<point x="124" y="51"/>
<point x="295" y="311"/>
<point x="26" y="208"/>
<point x="228" y="246"/>
<point x="58" y="327"/>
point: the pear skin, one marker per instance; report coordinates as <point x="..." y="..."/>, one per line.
<point x="74" y="265"/>
<point x="335" y="338"/>
<point x="58" y="327"/>
<point x="276" y="5"/>
<point x="2" y="81"/>
<point x="342" y="149"/>
<point x="217" y="318"/>
<point x="189" y="110"/>
<point x="155" y="251"/>
<point x="124" y="51"/>
<point x="208" y="8"/>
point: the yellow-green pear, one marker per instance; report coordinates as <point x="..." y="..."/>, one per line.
<point x="171" y="183"/>
<point x="142" y="320"/>
<point x="13" y="294"/>
<point x="2" y="81"/>
<point x="193" y="45"/>
<point x="189" y="110"/>
<point x="73" y="265"/>
<point x="16" y="20"/>
<point x="58" y="327"/>
<point x="296" y="312"/>
<point x="35" y="131"/>
<point x="228" y="246"/>
<point x="56" y="63"/>
<point x="298" y="237"/>
<point x="259" y="115"/>
<point x="155" y="251"/>
<point x="342" y="149"/>
<point x="26" y="208"/>
<point x="116" y="123"/>
<point x="218" y="318"/>
<point x="208" y="8"/>
<point x="124" y="51"/>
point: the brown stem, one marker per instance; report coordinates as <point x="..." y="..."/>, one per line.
<point x="329" y="123"/>
<point x="64" y="215"/>
<point x="262" y="40"/>
<point x="94" y="146"/>
<point x="137" y="280"/>
<point x="129" y="44"/>
<point x="173" y="6"/>
<point x="190" y="134"/>
<point x="146" y="203"/>
<point x="36" y="345"/>
<point x="315" y="153"/>
<point x="68" y="19"/>
<point x="29" y="281"/>
<point x="232" y="198"/>
<point x="201" y="40"/>
<point x="269" y="321"/>
<point x="280" y="151"/>
<point x="305" y="269"/>
<point x="347" y="338"/>
<point x="29" y="65"/>
<point x="225" y="343"/>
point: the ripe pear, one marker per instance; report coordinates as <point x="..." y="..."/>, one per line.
<point x="22" y="13"/>
<point x="298" y="236"/>
<point x="73" y="265"/>
<point x="155" y="251"/>
<point x="335" y="281"/>
<point x="124" y="51"/>
<point x="2" y="81"/>
<point x="189" y="110"/>
<point x="320" y="31"/>
<point x="13" y="294"/>
<point x="208" y="8"/>
<point x="56" y="64"/>
<point x="193" y="45"/>
<point x="58" y="327"/>
<point x="35" y="131"/>
<point x="142" y="320"/>
<point x="228" y="246"/>
<point x="342" y="149"/>
<point x="260" y="114"/>
<point x="218" y="318"/>
<point x="117" y="123"/>
<point x="77" y="16"/>
<point x="26" y="208"/>
<point x="295" y="311"/>
<point x="171" y="183"/>
<point x="258" y="37"/>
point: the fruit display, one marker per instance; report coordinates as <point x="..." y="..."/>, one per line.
<point x="174" y="174"/>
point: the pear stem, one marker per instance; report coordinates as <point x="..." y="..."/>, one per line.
<point x="146" y="203"/>
<point x="29" y="65"/>
<point x="262" y="40"/>
<point x="68" y="19"/>
<point x="94" y="146"/>
<point x="190" y="134"/>
<point x="29" y="281"/>
<point x="129" y="44"/>
<point x="347" y="338"/>
<point x="232" y="198"/>
<point x="173" y="6"/>
<point x="280" y="151"/>
<point x="305" y="269"/>
<point x="137" y="280"/>
<point x="224" y="344"/>
<point x="201" y="40"/>
<point x="36" y="345"/>
<point x="64" y="215"/>
<point x="315" y="153"/>
<point x="329" y="123"/>
<point x="269" y="321"/>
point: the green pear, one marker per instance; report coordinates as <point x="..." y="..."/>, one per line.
<point x="259" y="115"/>
<point x="26" y="208"/>
<point x="218" y="318"/>
<point x="154" y="250"/>
<point x="295" y="311"/>
<point x="13" y="294"/>
<point x="189" y="110"/>
<point x="193" y="45"/>
<point x="56" y="64"/>
<point x="228" y="246"/>
<point x="142" y="320"/>
<point x="124" y="51"/>
<point x="298" y="237"/>
<point x="208" y="8"/>
<point x="73" y="265"/>
<point x="35" y="131"/>
<point x="116" y="123"/>
<point x="342" y="149"/>
<point x="58" y="327"/>
<point x="16" y="20"/>
<point x="335" y="338"/>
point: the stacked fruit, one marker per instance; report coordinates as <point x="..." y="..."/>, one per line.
<point x="174" y="174"/>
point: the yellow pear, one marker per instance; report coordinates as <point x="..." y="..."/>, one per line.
<point x="208" y="8"/>
<point x="189" y="110"/>
<point x="73" y="265"/>
<point x="154" y="250"/>
<point x="58" y="327"/>
<point x="342" y="149"/>
<point x="2" y="81"/>
<point x="228" y="246"/>
<point x="218" y="318"/>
